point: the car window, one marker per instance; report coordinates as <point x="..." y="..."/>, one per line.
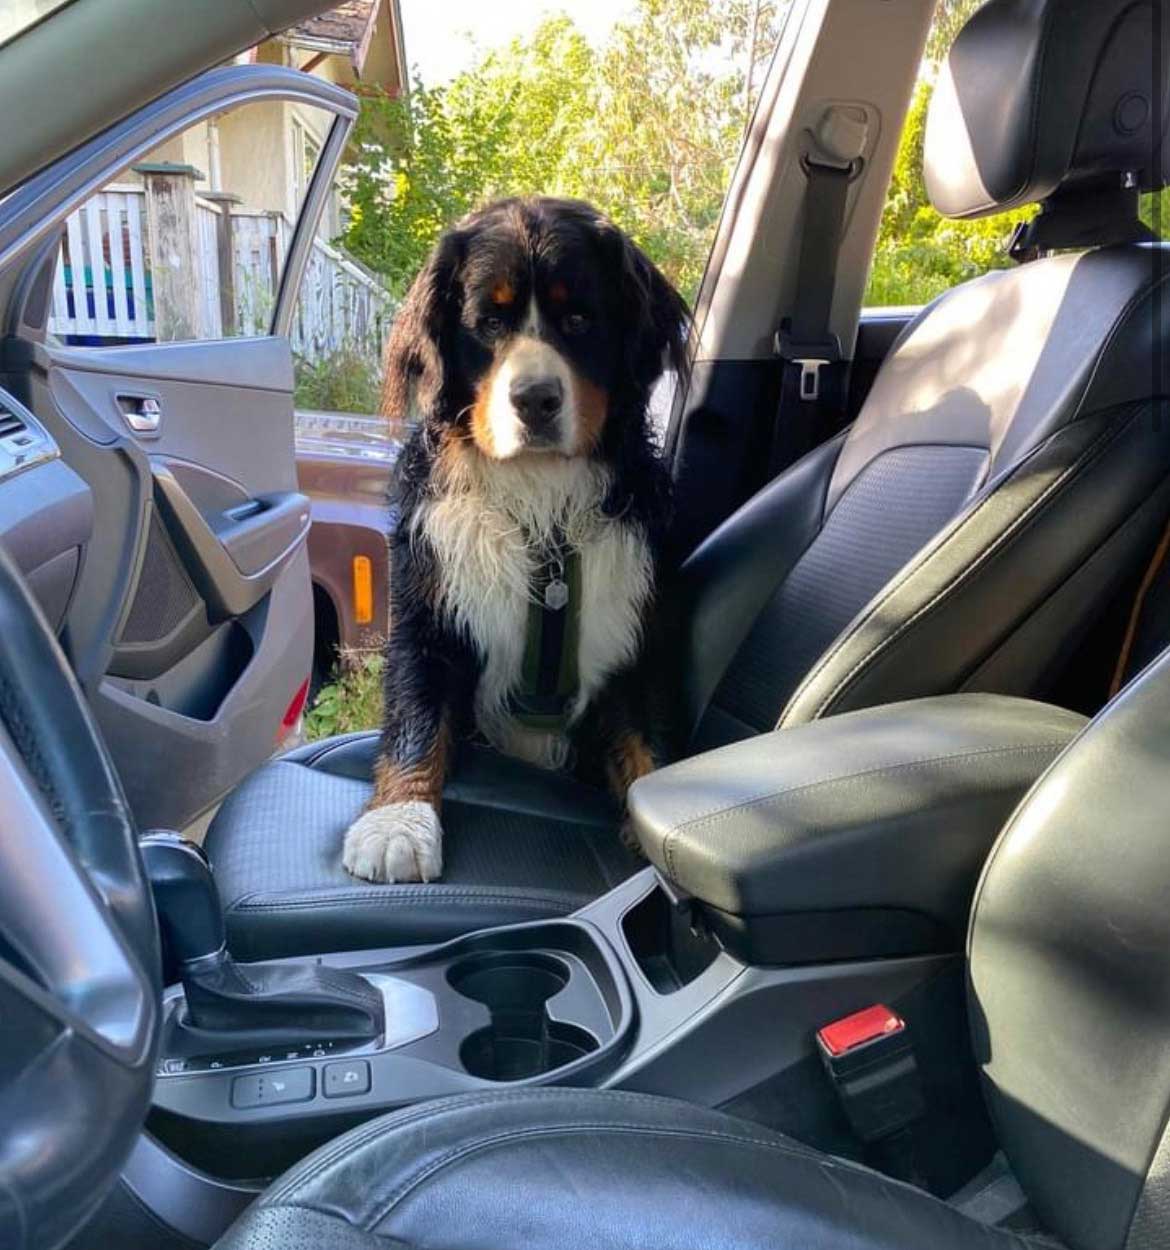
<point x="190" y="242"/>
<point x="644" y="117"/>
<point x="919" y="253"/>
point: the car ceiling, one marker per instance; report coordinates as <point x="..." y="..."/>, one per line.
<point x="93" y="62"/>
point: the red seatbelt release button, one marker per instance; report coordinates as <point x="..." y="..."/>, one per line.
<point x="859" y="1029"/>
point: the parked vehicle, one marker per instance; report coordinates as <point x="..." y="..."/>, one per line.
<point x="888" y="968"/>
<point x="343" y="465"/>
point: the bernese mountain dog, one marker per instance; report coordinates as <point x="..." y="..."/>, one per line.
<point x="527" y="561"/>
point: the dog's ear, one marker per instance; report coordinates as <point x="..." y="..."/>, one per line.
<point x="656" y="320"/>
<point x="414" y="371"/>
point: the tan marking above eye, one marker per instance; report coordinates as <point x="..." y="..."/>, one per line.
<point x="558" y="292"/>
<point x="503" y="293"/>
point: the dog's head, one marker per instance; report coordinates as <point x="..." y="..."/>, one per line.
<point x="536" y="326"/>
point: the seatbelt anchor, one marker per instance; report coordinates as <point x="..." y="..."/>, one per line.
<point x="811" y="355"/>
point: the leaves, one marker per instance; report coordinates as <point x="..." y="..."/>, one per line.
<point x="647" y="127"/>
<point x="352" y="701"/>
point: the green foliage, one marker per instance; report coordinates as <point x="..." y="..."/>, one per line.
<point x="920" y="254"/>
<point x="352" y="701"/>
<point x="344" y="381"/>
<point x="647" y="127"/>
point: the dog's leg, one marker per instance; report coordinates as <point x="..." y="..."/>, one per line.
<point x="398" y="837"/>
<point x="628" y="758"/>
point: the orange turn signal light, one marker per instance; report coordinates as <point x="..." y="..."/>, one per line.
<point x="363" y="590"/>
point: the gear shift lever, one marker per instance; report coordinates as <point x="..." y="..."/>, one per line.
<point x="233" y="1005"/>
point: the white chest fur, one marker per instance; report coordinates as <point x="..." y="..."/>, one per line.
<point x="486" y="528"/>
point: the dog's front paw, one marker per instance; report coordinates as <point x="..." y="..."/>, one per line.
<point x="399" y="842"/>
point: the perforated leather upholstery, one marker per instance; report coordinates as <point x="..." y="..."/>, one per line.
<point x="519" y="844"/>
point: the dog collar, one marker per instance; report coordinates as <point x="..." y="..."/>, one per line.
<point x="548" y="676"/>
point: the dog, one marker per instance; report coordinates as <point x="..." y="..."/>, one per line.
<point x="532" y="505"/>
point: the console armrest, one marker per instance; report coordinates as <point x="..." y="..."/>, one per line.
<point x="858" y="836"/>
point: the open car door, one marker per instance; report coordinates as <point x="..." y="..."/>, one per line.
<point x="149" y="334"/>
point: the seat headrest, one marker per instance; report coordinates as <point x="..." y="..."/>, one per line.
<point x="1042" y="96"/>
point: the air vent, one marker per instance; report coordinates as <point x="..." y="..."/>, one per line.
<point x="10" y="424"/>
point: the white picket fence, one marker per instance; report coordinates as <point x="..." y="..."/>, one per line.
<point x="102" y="289"/>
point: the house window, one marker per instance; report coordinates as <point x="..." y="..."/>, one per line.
<point x="306" y="151"/>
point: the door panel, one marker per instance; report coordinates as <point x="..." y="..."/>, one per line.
<point x="192" y="654"/>
<point x="150" y="280"/>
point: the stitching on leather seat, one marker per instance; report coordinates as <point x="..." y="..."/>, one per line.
<point x="403" y="1119"/>
<point x="1095" y="448"/>
<point x="247" y="902"/>
<point x="713" y="815"/>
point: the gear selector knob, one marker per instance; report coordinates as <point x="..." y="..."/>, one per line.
<point x="229" y="1005"/>
<point x="190" y="914"/>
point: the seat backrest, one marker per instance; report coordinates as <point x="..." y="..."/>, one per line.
<point x="1069" y="955"/>
<point x="1009" y="468"/>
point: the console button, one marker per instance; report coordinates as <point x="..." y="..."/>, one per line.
<point x="266" y="1089"/>
<point x="344" y="1079"/>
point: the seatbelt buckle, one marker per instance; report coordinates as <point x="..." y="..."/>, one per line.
<point x="812" y="355"/>
<point x="869" y="1058"/>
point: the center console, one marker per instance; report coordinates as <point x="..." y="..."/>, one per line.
<point x="794" y="878"/>
<point x="529" y="1004"/>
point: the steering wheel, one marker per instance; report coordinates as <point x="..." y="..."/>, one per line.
<point x="80" y="992"/>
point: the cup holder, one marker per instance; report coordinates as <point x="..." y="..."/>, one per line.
<point x="521" y="1040"/>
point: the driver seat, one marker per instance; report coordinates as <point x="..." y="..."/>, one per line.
<point x="1069" y="1012"/>
<point x="1004" y="482"/>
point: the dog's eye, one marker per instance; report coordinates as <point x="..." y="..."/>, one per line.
<point x="492" y="326"/>
<point x="576" y="323"/>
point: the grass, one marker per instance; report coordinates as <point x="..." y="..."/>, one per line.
<point x="352" y="701"/>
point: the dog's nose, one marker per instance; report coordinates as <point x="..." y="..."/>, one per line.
<point x="537" y="401"/>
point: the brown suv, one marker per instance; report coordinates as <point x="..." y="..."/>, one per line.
<point x="344" y="463"/>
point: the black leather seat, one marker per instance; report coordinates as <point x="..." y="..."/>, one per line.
<point x="1005" y="478"/>
<point x="1069" y="1008"/>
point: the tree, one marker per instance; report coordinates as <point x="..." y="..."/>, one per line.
<point x="647" y="127"/>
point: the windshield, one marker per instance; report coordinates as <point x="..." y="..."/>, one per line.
<point x="19" y="15"/>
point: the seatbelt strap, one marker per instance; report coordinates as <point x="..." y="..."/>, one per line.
<point x="549" y="673"/>
<point x="805" y="342"/>
<point x="804" y="338"/>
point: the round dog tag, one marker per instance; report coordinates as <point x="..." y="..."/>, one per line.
<point x="556" y="595"/>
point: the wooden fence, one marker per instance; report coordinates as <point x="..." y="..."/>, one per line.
<point x="109" y="287"/>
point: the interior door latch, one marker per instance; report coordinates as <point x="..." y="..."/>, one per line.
<point x="142" y="413"/>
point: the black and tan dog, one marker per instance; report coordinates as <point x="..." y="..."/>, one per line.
<point x="532" y="507"/>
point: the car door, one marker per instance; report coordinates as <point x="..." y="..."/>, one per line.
<point x="150" y="337"/>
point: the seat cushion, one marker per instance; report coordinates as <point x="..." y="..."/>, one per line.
<point x="605" y="1170"/>
<point x="520" y="844"/>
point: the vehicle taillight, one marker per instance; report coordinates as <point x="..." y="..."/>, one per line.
<point x="288" y="722"/>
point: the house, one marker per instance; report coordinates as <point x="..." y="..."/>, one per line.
<point x="239" y="178"/>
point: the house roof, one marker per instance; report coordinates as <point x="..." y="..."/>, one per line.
<point x="347" y="29"/>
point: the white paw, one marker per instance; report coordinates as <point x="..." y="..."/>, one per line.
<point x="399" y="842"/>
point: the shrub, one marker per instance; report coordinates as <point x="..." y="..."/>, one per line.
<point x="352" y="701"/>
<point x="343" y="381"/>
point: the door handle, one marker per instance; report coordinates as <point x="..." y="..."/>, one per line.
<point x="234" y="560"/>
<point x="142" y="413"/>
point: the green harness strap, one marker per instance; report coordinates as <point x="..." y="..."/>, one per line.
<point x="548" y="676"/>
